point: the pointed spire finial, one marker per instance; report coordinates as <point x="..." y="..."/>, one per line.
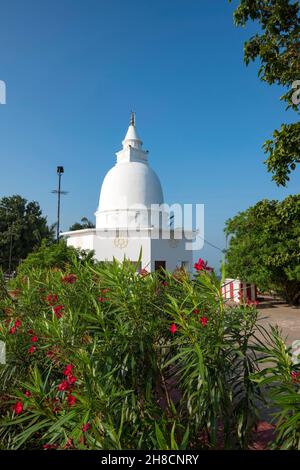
<point x="132" y="119"/>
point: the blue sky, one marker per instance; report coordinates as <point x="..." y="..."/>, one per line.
<point x="74" y="70"/>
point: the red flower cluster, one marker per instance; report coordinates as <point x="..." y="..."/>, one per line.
<point x="14" y="328"/>
<point x="204" y="321"/>
<point x="32" y="349"/>
<point x="71" y="400"/>
<point x="33" y="339"/>
<point x="85" y="427"/>
<point x="50" y="446"/>
<point x="69" y="279"/>
<point x="173" y="328"/>
<point x="196" y="311"/>
<point x="18" y="407"/>
<point x="201" y="265"/>
<point x="52" y="299"/>
<point x="295" y="376"/>
<point x="68" y="369"/>
<point x="58" y="311"/>
<point x="63" y="386"/>
<point x="68" y="383"/>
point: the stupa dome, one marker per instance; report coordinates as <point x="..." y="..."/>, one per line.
<point x="131" y="185"/>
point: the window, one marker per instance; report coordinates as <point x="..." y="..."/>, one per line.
<point x="159" y="265"/>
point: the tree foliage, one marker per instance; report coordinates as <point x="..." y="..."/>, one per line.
<point x="265" y="246"/>
<point x="83" y="224"/>
<point x="22" y="229"/>
<point x="278" y="49"/>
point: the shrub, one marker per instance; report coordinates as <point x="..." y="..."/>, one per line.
<point x="280" y="379"/>
<point x="102" y="357"/>
<point x="54" y="255"/>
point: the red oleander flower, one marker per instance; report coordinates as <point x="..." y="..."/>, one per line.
<point x="30" y="332"/>
<point x="31" y="349"/>
<point x="295" y="376"/>
<point x="63" y="386"/>
<point x="201" y="265"/>
<point x="68" y="369"/>
<point x="49" y="446"/>
<point x="71" y="379"/>
<point x="71" y="400"/>
<point x="85" y="427"/>
<point x="52" y="299"/>
<point x="12" y="330"/>
<point x="27" y="393"/>
<point x="18" y="407"/>
<point x="102" y="299"/>
<point x="203" y="321"/>
<point x="196" y="311"/>
<point x="173" y="328"/>
<point x="18" y="323"/>
<point x="58" y="311"/>
<point x="69" y="279"/>
<point x="33" y="339"/>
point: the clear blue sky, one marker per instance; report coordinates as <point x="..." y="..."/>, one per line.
<point x="74" y="70"/>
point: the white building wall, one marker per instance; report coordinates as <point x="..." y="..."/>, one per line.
<point x="171" y="251"/>
<point x="106" y="249"/>
<point x="108" y="245"/>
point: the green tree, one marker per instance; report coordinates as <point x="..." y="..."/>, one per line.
<point x="278" y="49"/>
<point x="54" y="255"/>
<point x="264" y="247"/>
<point x="22" y="229"/>
<point x="85" y="223"/>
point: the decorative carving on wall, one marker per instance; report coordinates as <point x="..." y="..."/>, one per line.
<point x="121" y="242"/>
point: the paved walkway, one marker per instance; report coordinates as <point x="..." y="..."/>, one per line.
<point x="287" y="318"/>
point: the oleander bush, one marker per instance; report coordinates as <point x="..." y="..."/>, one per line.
<point x="99" y="356"/>
<point x="279" y="377"/>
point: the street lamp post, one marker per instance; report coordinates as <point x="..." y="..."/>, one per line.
<point x="10" y="229"/>
<point x="10" y="250"/>
<point x="60" y="171"/>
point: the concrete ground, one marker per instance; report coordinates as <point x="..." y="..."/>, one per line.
<point x="287" y="318"/>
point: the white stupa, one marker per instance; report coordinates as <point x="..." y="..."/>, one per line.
<point x="131" y="218"/>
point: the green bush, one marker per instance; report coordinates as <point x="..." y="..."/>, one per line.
<point x="54" y="255"/>
<point x="280" y="379"/>
<point x="102" y="357"/>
